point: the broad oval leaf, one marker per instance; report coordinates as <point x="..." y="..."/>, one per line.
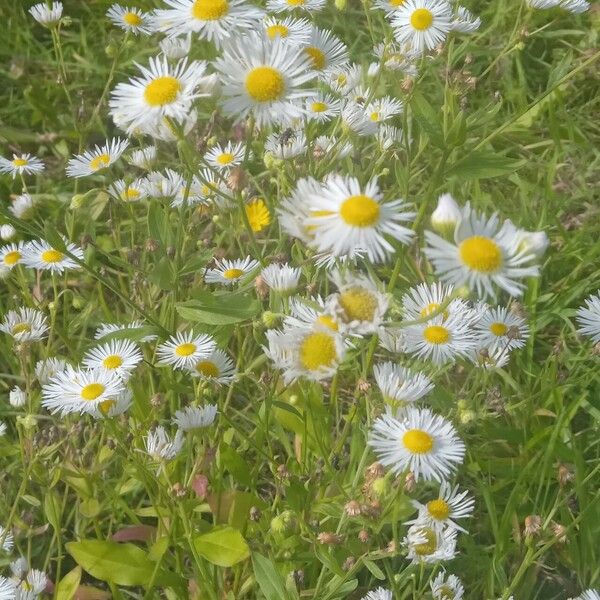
<point x="223" y="546"/>
<point x="67" y="586"/>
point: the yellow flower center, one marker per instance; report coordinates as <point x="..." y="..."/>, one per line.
<point x="429" y="546"/>
<point x="12" y="258"/>
<point x="21" y="328"/>
<point x="317" y="350"/>
<point x="19" y="162"/>
<point x="431" y="308"/>
<point x="296" y="2"/>
<point x="258" y="215"/>
<point x="114" y="361"/>
<point x="417" y="441"/>
<point x="342" y="79"/>
<point x="186" y="349"/>
<point x="318" y="107"/>
<point x="207" y="368"/>
<point x="132" y="19"/>
<point x="327" y="321"/>
<point x="233" y="273"/>
<point x="438" y="509"/>
<point x="396" y="3"/>
<point x="360" y="211"/>
<point x="225" y="158"/>
<point x="359" y="304"/>
<point x="319" y="59"/>
<point x="445" y="592"/>
<point x="375" y="116"/>
<point x="421" y="19"/>
<point x="52" y="256"/>
<point x="498" y="329"/>
<point x="91" y="391"/>
<point x="277" y="30"/>
<point x="105" y="406"/>
<point x="436" y="334"/>
<point x="162" y="90"/>
<point x="265" y="84"/>
<point x="481" y="254"/>
<point x="99" y="162"/>
<point x="131" y="194"/>
<point x="209" y="10"/>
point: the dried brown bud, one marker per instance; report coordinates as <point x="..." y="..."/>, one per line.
<point x="391" y="547"/>
<point x="282" y="472"/>
<point x="410" y="483"/>
<point x="261" y="287"/>
<point x="237" y="179"/>
<point x="559" y="531"/>
<point x="329" y="538"/>
<point x="596" y="349"/>
<point x="407" y="84"/>
<point x="363" y="536"/>
<point x="533" y="525"/>
<point x="349" y="563"/>
<point x="151" y="245"/>
<point x="374" y="471"/>
<point x="362" y="385"/>
<point x="373" y="509"/>
<point x="352" y="508"/>
<point x="564" y="475"/>
<point x="157" y="400"/>
<point x="178" y="490"/>
<point x="318" y="152"/>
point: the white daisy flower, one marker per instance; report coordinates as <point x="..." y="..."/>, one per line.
<point x="41" y="255"/>
<point x="81" y="391"/>
<point x="161" y="91"/>
<point x="17" y="397"/>
<point x="263" y="78"/>
<point x="399" y="385"/>
<point x="105" y="329"/>
<point x="483" y="253"/>
<point x="574" y="6"/>
<point x="164" y="185"/>
<point x="331" y="147"/>
<point x="312" y="313"/>
<point x="499" y="328"/>
<point x="211" y="188"/>
<point x="143" y="158"/>
<point x="281" y="277"/>
<point x="589" y="595"/>
<point x="25" y="325"/>
<point x="114" y="407"/>
<point x="426" y="299"/>
<point x="132" y="20"/>
<point x="47" y="368"/>
<point x="357" y="120"/>
<point x="229" y="272"/>
<point x="309" y="6"/>
<point x="533" y="242"/>
<point x="160" y="446"/>
<point x="176" y="48"/>
<point x="379" y="594"/>
<point x="184" y="350"/>
<point x="396" y="57"/>
<point x="118" y="356"/>
<point x="195" y="417"/>
<point x="464" y="21"/>
<point x="382" y="109"/>
<point x="345" y="218"/>
<point x="7" y="540"/>
<point x="225" y="157"/>
<point x="197" y="193"/>
<point x="428" y="545"/>
<point x="7" y="589"/>
<point x="11" y="255"/>
<point x="217" y="367"/>
<point x="47" y="15"/>
<point x="129" y="192"/>
<point x="326" y="51"/>
<point x="588" y="317"/>
<point x="417" y="440"/>
<point x="291" y="30"/>
<point x="446" y="215"/>
<point x="422" y="23"/>
<point x="388" y="136"/>
<point x="451" y="504"/>
<point x="493" y="357"/>
<point x="390" y="6"/>
<point x="22" y="206"/>
<point x="7" y="232"/>
<point x="447" y="587"/>
<point x="32" y="585"/>
<point x="323" y="108"/>
<point x="217" y="21"/>
<point x="392" y="339"/>
<point x="21" y="164"/>
<point x="344" y="78"/>
<point x="92" y="161"/>
<point x="286" y="145"/>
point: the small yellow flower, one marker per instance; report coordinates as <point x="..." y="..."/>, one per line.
<point x="258" y="215"/>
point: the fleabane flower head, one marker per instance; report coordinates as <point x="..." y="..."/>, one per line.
<point x="30" y="584"/>
<point x="45" y="15"/>
<point x="195" y="417"/>
<point x="93" y="161"/>
<point x="588" y="317"/>
<point x="323" y="108"/>
<point x="132" y="20"/>
<point x="184" y="350"/>
<point x="82" y="391"/>
<point x="308" y="6"/>
<point x="417" y="440"/>
<point x="225" y="157"/>
<point x="161" y="446"/>
<point x="117" y="356"/>
<point x="345" y="217"/>
<point x="484" y="254"/>
<point x="498" y="328"/>
<point x="21" y="164"/>
<point x="379" y="594"/>
<point x="105" y="329"/>
<point x="281" y="278"/>
<point x="11" y="255"/>
<point x="263" y="78"/>
<point x="22" y="206"/>
<point x="129" y="192"/>
<point x="8" y="540"/>
<point x="574" y="6"/>
<point x="163" y="91"/>
<point x="175" y="48"/>
<point x="217" y="21"/>
<point x="7" y="232"/>
<point x="428" y="545"/>
<point x="228" y="272"/>
<point x="17" y="397"/>
<point x="446" y="215"/>
<point x="325" y="51"/>
<point x="422" y="23"/>
<point x="287" y="144"/>
<point x="8" y="589"/>
<point x="217" y="367"/>
<point x="25" y="325"/>
<point x="288" y="29"/>
<point x="42" y="255"/>
<point x="447" y="587"/>
<point x="143" y="158"/>
<point x="47" y="368"/>
<point x="399" y="385"/>
<point x="312" y="313"/>
<point x="464" y="21"/>
<point x="589" y="595"/>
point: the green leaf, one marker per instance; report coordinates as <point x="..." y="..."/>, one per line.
<point x="268" y="578"/>
<point x="123" y="564"/>
<point x="223" y="546"/>
<point x="67" y="586"/>
<point x="212" y="309"/>
<point x="481" y="165"/>
<point x="52" y="509"/>
<point x="235" y="464"/>
<point x="375" y="570"/>
<point x="428" y="119"/>
<point x="158" y="224"/>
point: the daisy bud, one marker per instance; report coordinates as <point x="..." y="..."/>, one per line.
<point x="270" y="319"/>
<point x="533" y="525"/>
<point x="151" y="245"/>
<point x="157" y="400"/>
<point x="467" y="416"/>
<point x="352" y="508"/>
<point x="535" y="242"/>
<point x="380" y="487"/>
<point x="559" y="531"/>
<point x="261" y="287"/>
<point x="446" y="216"/>
<point x="237" y="180"/>
<point x="407" y="84"/>
<point x="349" y="563"/>
<point x="565" y="475"/>
<point x="328" y="538"/>
<point x="7" y="232"/>
<point x="362" y="385"/>
<point x="410" y="483"/>
<point x="340" y="4"/>
<point x="374" y="471"/>
<point x="17" y="397"/>
<point x="363" y="536"/>
<point x="282" y="472"/>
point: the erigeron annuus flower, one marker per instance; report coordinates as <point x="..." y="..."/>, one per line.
<point x="161" y="446"/>
<point x="225" y="157"/>
<point x="129" y="192"/>
<point x="216" y="367"/>
<point x="326" y="51"/>
<point x="11" y="255"/>
<point x="447" y="587"/>
<point x="429" y="300"/>
<point x="399" y="385"/>
<point x="81" y="391"/>
<point x="291" y="30"/>
<point x="217" y="21"/>
<point x="161" y="91"/>
<point x="101" y="157"/>
<point x="175" y="48"/>
<point x="589" y="595"/>
<point x="129" y="19"/>
<point x="392" y="339"/>
<point x="118" y="356"/>
<point x="25" y="325"/>
<point x="422" y="23"/>
<point x="343" y="78"/>
<point x="323" y="108"/>
<point x="192" y="193"/>
<point x="390" y="6"/>
<point x="47" y="15"/>
<point x="395" y="57"/>
<point x="106" y="329"/>
<point x="382" y="109"/>
<point x="117" y="406"/>
<point x="22" y="206"/>
<point x="164" y="185"/>
<point x="309" y="6"/>
<point x="195" y="417"/>
<point x="143" y="158"/>
<point x="450" y="504"/>
<point x="281" y="278"/>
<point x="588" y="317"/>
<point x="446" y="215"/>
<point x="184" y="350"/>
<point x="263" y="78"/>
<point x="574" y="6"/>
<point x="7" y="232"/>
<point x="41" y="255"/>
<point x="379" y="594"/>
<point x="21" y="164"/>
<point x="464" y="21"/>
<point x="7" y="540"/>
<point x="229" y="272"/>
<point x="286" y="145"/>
<point x="311" y="313"/>
<point x="484" y="254"/>
<point x="417" y="440"/>
<point x="47" y="368"/>
<point x="30" y="585"/>
<point x="428" y="545"/>
<point x="7" y="589"/>
<point x="357" y="120"/>
<point x="17" y="397"/>
<point x="499" y="328"/>
<point x="331" y="148"/>
<point x="344" y="217"/>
